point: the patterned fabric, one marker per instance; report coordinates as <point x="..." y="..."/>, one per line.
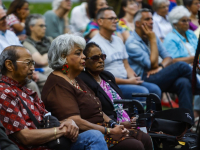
<point x="92" y="26"/>
<point x="122" y="26"/>
<point x="112" y="94"/>
<point x="13" y="115"/>
<point x="11" y="20"/>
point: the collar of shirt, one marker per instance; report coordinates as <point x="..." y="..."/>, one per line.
<point x="180" y="36"/>
<point x="160" y="18"/>
<point x="16" y="84"/>
<point x="3" y="33"/>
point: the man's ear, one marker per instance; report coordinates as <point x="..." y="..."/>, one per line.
<point x="100" y="22"/>
<point x="137" y="24"/>
<point x="9" y="65"/>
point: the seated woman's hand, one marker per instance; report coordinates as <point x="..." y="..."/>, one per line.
<point x="72" y="129"/>
<point x="118" y="132"/>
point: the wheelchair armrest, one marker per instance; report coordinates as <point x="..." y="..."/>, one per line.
<point x="131" y="104"/>
<point x="151" y="98"/>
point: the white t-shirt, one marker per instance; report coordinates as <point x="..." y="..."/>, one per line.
<point x="7" y="39"/>
<point x="161" y="26"/>
<point x="115" y="54"/>
<point x="79" y="18"/>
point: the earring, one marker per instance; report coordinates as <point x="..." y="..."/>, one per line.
<point x="65" y="69"/>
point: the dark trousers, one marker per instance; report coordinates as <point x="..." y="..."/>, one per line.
<point x="175" y="78"/>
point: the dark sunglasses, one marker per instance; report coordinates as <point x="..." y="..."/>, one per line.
<point x="3" y="18"/>
<point x="96" y="57"/>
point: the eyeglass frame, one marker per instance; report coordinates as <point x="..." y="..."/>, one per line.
<point x="98" y="56"/>
<point x="185" y="20"/>
<point x="3" y="18"/>
<point x="113" y="19"/>
<point x="29" y="63"/>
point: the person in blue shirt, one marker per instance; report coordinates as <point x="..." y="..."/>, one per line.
<point x="181" y="43"/>
<point x="144" y="49"/>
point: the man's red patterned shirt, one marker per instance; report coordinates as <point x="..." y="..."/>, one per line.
<point x="13" y="115"/>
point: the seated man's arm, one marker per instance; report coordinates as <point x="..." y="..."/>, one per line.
<point x="153" y="46"/>
<point x="132" y="76"/>
<point x="28" y="137"/>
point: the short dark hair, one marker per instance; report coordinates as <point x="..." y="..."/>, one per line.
<point x="8" y="53"/>
<point x="92" y="6"/>
<point x="101" y="11"/>
<point x="187" y="3"/>
<point x="88" y="48"/>
<point x="16" y="4"/>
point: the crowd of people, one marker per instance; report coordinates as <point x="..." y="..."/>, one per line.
<point x="75" y="67"/>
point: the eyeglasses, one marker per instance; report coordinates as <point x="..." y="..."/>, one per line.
<point x="29" y="63"/>
<point x="3" y="18"/>
<point x="96" y="57"/>
<point x="163" y="7"/>
<point x="185" y="20"/>
<point x="113" y="19"/>
<point x="42" y="25"/>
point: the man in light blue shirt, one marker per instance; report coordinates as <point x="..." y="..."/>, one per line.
<point x="144" y="48"/>
<point x="7" y="37"/>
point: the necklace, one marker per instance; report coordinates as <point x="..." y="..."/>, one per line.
<point x="75" y="84"/>
<point x="99" y="80"/>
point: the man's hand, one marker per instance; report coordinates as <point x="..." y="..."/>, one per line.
<point x="154" y="71"/>
<point x="72" y="129"/>
<point x="35" y="76"/>
<point x="149" y="33"/>
<point x="135" y="80"/>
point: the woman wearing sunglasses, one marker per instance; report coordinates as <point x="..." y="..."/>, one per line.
<point x="181" y="43"/>
<point x="104" y="86"/>
<point x="67" y="96"/>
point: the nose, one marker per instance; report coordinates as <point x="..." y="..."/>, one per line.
<point x="83" y="56"/>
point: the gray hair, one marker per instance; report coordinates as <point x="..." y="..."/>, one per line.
<point x="62" y="45"/>
<point x="8" y="53"/>
<point x="177" y="13"/>
<point x="31" y="21"/>
<point x="138" y="15"/>
<point x="157" y="3"/>
<point x="56" y="4"/>
<point x="101" y="11"/>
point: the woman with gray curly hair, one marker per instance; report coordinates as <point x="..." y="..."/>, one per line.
<point x="161" y="24"/>
<point x="67" y="96"/>
<point x="181" y="43"/>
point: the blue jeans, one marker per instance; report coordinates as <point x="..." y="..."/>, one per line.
<point x="145" y="87"/>
<point x="175" y="78"/>
<point x="90" y="140"/>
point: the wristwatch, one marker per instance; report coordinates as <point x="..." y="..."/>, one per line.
<point x="161" y="65"/>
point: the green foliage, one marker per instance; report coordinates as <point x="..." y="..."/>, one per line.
<point x="39" y="8"/>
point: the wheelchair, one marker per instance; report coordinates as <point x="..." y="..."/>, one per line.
<point x="188" y="141"/>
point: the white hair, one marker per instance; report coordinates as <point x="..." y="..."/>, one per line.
<point x="138" y="15"/>
<point x="62" y="45"/>
<point x="177" y="13"/>
<point x="56" y="4"/>
<point x="157" y="3"/>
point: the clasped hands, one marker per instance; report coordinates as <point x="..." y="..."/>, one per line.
<point x="70" y="129"/>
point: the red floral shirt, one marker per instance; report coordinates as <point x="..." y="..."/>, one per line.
<point x="13" y="115"/>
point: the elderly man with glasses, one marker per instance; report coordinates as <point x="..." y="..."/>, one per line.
<point x="116" y="61"/>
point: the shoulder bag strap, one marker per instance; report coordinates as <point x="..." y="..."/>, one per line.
<point x="185" y="46"/>
<point x="27" y="109"/>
